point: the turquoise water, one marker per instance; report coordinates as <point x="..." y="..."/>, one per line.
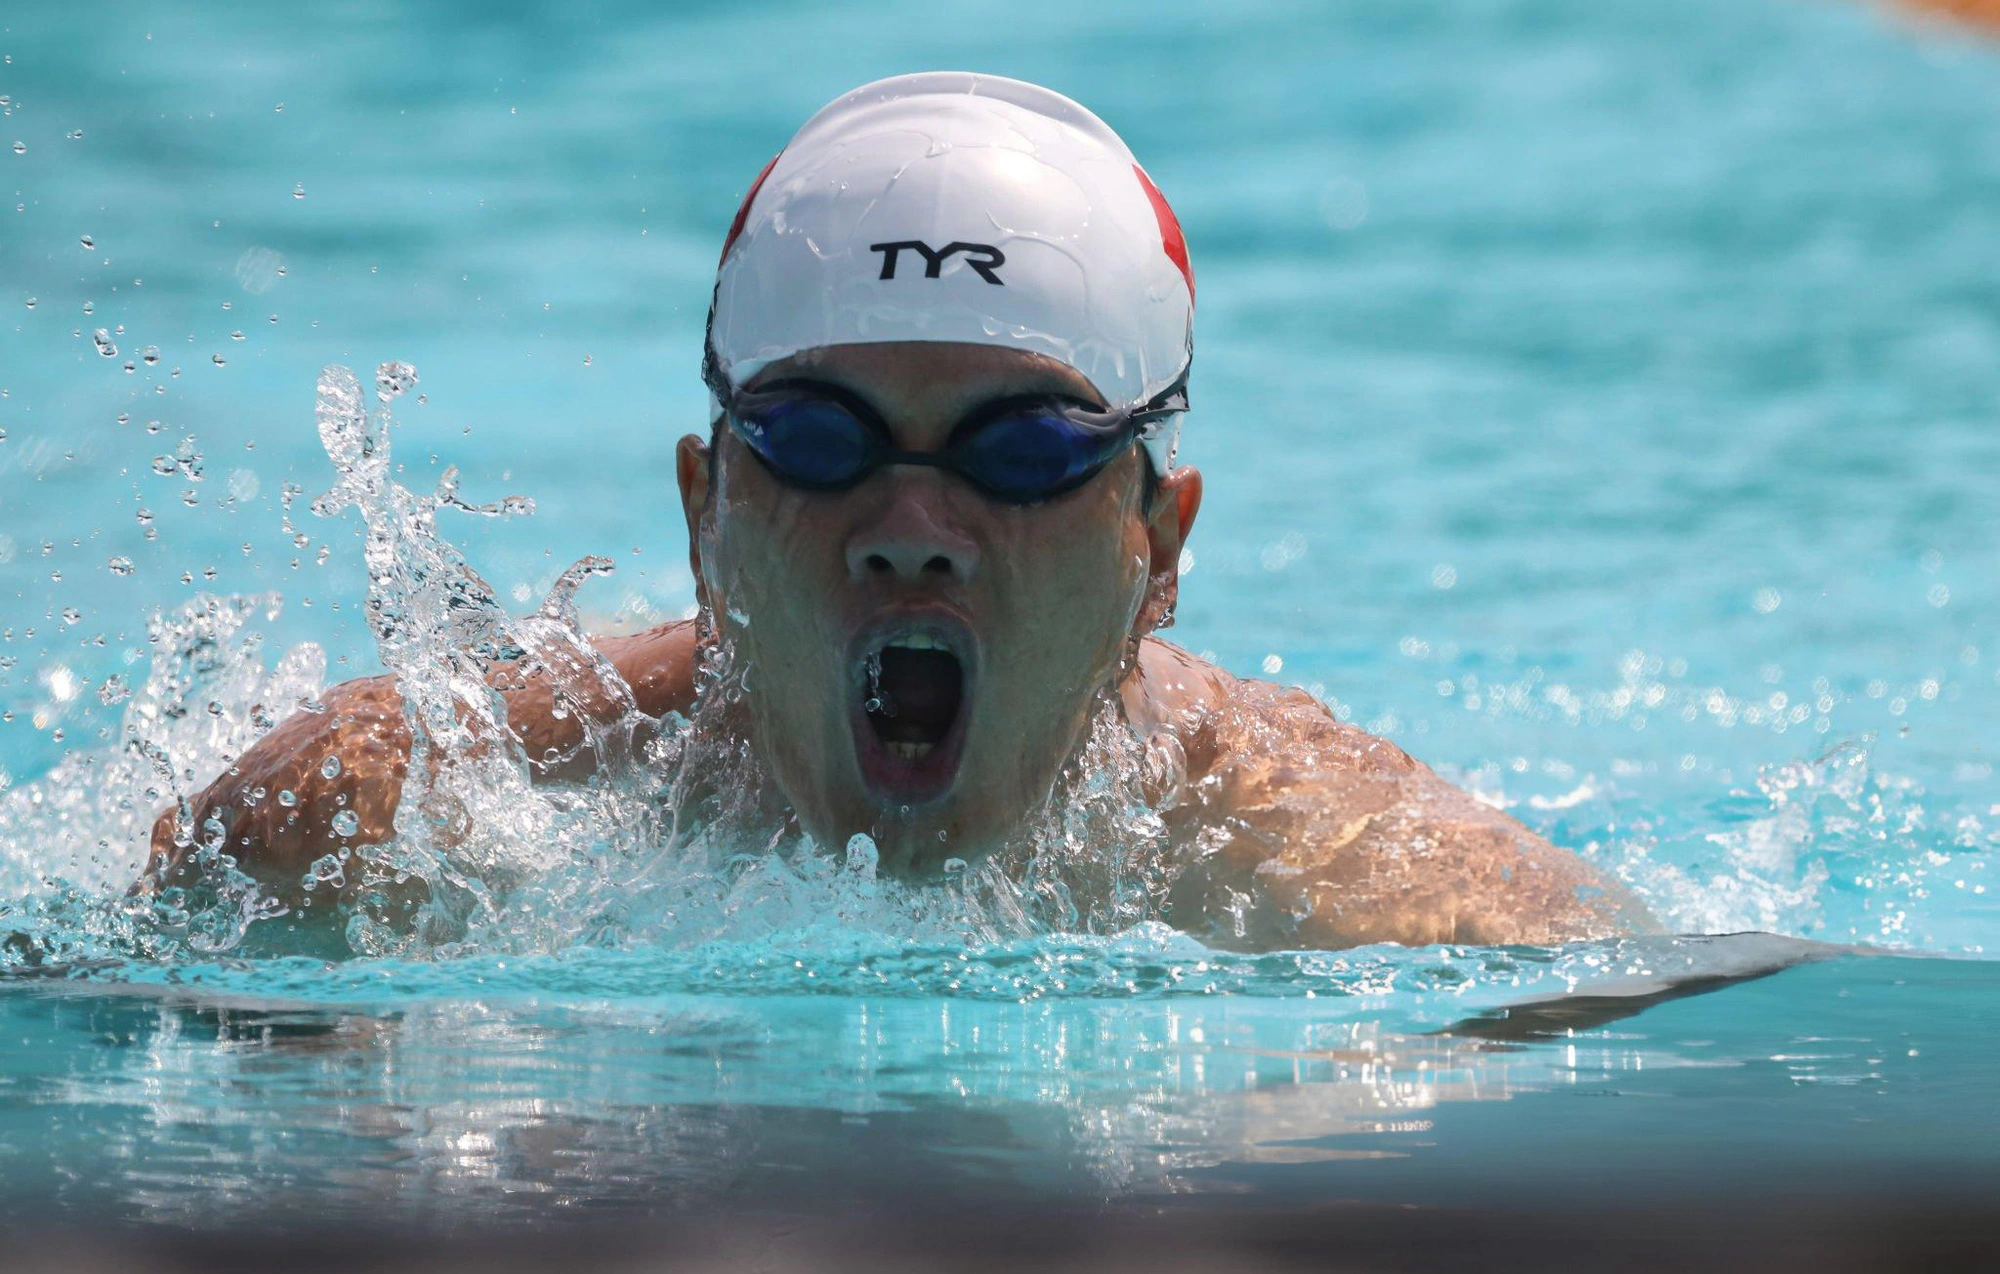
<point x="1598" y="399"/>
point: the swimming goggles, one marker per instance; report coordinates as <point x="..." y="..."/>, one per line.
<point x="1019" y="450"/>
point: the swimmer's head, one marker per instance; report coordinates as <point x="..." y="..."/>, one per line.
<point x="931" y="530"/>
<point x="947" y="206"/>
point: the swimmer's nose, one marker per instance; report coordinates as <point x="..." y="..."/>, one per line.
<point x="911" y="539"/>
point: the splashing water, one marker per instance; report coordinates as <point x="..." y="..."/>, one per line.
<point x="667" y="841"/>
<point x="628" y="856"/>
<point x="206" y="699"/>
<point x="673" y="843"/>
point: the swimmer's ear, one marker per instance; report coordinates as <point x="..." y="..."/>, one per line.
<point x="691" y="468"/>
<point x="1176" y="501"/>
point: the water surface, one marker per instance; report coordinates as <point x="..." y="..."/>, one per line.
<point x="1595" y="399"/>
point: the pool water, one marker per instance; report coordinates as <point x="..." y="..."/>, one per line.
<point x="1597" y="399"/>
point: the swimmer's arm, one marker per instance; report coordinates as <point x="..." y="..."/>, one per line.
<point x="1322" y="835"/>
<point x="657" y="666"/>
<point x="364" y="728"/>
<point x="1436" y="866"/>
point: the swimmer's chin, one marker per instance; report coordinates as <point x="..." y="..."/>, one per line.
<point x="914" y="844"/>
<point x="913" y="855"/>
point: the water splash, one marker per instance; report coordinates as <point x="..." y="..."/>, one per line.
<point x="87" y="822"/>
<point x="1097" y="859"/>
<point x="672" y="839"/>
<point x="470" y="826"/>
<point x="674" y="836"/>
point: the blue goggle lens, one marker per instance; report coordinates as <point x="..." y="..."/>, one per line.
<point x="1030" y="454"/>
<point x="811" y="441"/>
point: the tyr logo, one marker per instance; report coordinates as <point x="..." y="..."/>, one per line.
<point x="983" y="258"/>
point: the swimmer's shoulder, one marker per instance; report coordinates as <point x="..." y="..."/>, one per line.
<point x="1326" y="820"/>
<point x="1220" y="717"/>
<point x="659" y="664"/>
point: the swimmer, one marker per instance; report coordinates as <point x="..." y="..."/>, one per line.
<point x="937" y="511"/>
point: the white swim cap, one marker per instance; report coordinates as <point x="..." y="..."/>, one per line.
<point x="948" y="206"/>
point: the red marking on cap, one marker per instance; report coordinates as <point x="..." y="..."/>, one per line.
<point x="743" y="210"/>
<point x="1170" y="228"/>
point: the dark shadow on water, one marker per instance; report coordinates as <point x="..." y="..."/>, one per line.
<point x="1746" y="957"/>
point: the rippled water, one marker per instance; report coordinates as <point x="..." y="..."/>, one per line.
<point x="1596" y="399"/>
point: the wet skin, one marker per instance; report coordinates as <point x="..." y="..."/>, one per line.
<point x="1299" y="830"/>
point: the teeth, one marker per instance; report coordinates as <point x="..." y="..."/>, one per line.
<point x="911" y="751"/>
<point x="916" y="641"/>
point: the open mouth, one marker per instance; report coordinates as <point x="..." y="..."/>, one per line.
<point x="910" y="719"/>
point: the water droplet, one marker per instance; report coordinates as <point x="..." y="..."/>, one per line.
<point x="150" y="355"/>
<point x="287" y="799"/>
<point x="75" y="134"/>
<point x="20" y="148"/>
<point x="114" y="690"/>
<point x="299" y="191"/>
<point x="120" y="565"/>
<point x="862" y="855"/>
<point x="393" y="380"/>
<point x="102" y="339"/>
<point x="31" y="302"/>
<point x="330" y="768"/>
<point x="87" y="242"/>
<point x="346" y="823"/>
<point x="70" y="615"/>
<point x="220" y="361"/>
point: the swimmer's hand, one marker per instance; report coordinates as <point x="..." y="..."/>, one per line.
<point x="286" y="802"/>
<point x="1308" y="832"/>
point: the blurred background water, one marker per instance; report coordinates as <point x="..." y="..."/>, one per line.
<point x="1598" y="399"/>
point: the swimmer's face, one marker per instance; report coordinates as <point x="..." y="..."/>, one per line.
<point x="979" y="633"/>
